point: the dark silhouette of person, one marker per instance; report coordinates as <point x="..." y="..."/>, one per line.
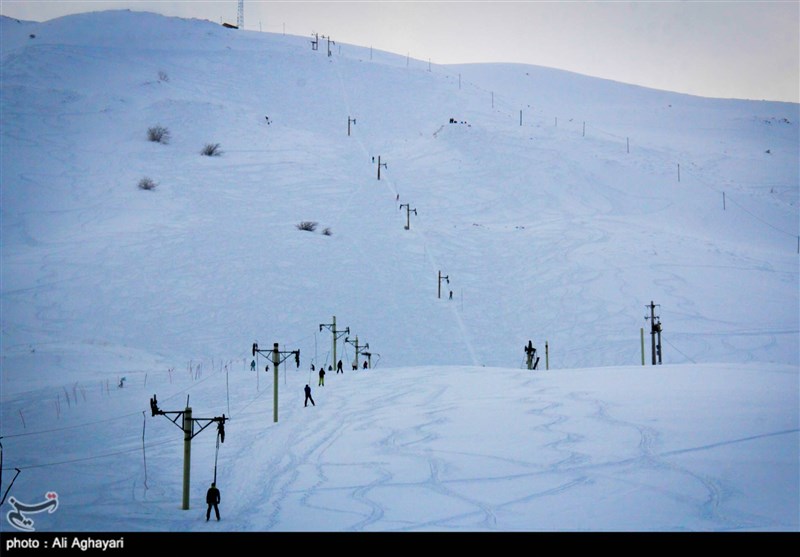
<point x="530" y="351"/>
<point x="321" y="377"/>
<point x="365" y="364"/>
<point x="213" y="499"/>
<point x="339" y="367"/>
<point x="221" y="429"/>
<point x="308" y="396"/>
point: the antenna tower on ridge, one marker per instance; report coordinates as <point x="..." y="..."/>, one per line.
<point x="240" y="15"/>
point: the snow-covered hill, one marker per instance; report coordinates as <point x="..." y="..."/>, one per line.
<point x="557" y="206"/>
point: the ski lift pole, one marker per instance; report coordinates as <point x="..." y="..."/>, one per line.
<point x="380" y="164"/>
<point x="187" y="454"/>
<point x="275" y="355"/>
<point x="275" y="362"/>
<point x="358" y="352"/>
<point x="337" y="334"/>
<point x="445" y="277"/>
<point x="183" y="419"/>
<point x="408" y="214"/>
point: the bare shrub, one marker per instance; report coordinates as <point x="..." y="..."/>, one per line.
<point x="211" y="150"/>
<point x="147" y="184"/>
<point x="158" y="134"/>
<point x="307" y="225"/>
<point x="327" y="232"/>
<point x="162" y="76"/>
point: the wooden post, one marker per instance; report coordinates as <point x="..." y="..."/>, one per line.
<point x="641" y="331"/>
<point x="546" y="355"/>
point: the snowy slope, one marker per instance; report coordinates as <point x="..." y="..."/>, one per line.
<point x="560" y="230"/>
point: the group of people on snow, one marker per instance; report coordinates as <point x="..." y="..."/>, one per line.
<point x="213" y="497"/>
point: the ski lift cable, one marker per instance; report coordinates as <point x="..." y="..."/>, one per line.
<point x="97" y="422"/>
<point x="94" y="457"/>
<point x="729" y="198"/>
<point x="65" y="428"/>
<point x="677" y="350"/>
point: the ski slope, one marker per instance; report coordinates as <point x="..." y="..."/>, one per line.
<point x="558" y="206"/>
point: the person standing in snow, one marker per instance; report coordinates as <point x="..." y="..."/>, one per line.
<point x="339" y="367"/>
<point x="308" y="396"/>
<point x="321" y="377"/>
<point x="212" y="498"/>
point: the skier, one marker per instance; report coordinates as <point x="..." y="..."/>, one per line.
<point x="213" y="499"/>
<point x="253" y="365"/>
<point x="221" y="429"/>
<point x="339" y="367"/>
<point x="321" y="377"/>
<point x="308" y="396"/>
<point x="365" y="364"/>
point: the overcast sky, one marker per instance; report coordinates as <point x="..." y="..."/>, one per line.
<point x="715" y="48"/>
